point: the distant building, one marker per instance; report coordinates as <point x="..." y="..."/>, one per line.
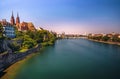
<point x="119" y="36"/>
<point x="103" y="34"/>
<point x="59" y="35"/>
<point x="109" y="35"/>
<point x="91" y="35"/>
<point x="3" y="22"/>
<point x="113" y="33"/>
<point x="40" y="28"/>
<point x="98" y="35"/>
<point x="63" y="35"/>
<point x="9" y="30"/>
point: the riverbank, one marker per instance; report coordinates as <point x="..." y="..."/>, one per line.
<point x="9" y="59"/>
<point x="106" y="42"/>
<point x="11" y="71"/>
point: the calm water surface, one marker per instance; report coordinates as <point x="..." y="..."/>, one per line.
<point x="74" y="59"/>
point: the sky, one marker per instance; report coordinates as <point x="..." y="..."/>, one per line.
<point x="69" y="16"/>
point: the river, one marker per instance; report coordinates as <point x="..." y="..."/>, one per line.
<point x="73" y="59"/>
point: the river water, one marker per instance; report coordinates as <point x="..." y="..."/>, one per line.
<point x="73" y="59"/>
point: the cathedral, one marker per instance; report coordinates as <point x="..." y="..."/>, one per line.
<point x="12" y="20"/>
<point x="24" y="26"/>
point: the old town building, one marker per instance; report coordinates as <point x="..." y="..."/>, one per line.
<point x="25" y="26"/>
<point x="9" y="30"/>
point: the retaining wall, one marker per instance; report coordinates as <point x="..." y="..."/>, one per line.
<point x="10" y="58"/>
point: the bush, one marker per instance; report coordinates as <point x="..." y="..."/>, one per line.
<point x="28" y="42"/>
<point x="106" y="38"/>
<point x="14" y="46"/>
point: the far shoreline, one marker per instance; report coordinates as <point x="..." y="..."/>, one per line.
<point x="106" y="42"/>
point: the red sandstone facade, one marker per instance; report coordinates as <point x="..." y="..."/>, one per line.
<point x="24" y="26"/>
<point x="12" y="20"/>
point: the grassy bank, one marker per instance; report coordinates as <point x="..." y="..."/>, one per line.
<point x="49" y="43"/>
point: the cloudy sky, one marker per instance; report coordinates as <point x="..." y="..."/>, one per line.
<point x="70" y="16"/>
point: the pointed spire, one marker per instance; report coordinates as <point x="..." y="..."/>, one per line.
<point x="12" y="13"/>
<point x="17" y="14"/>
<point x="17" y="19"/>
<point x="12" y="20"/>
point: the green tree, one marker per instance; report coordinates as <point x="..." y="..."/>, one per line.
<point x="19" y="33"/>
<point x="14" y="46"/>
<point x="31" y="34"/>
<point x="1" y="31"/>
<point x="97" y="38"/>
<point x="28" y="42"/>
<point x="115" y="39"/>
<point x="106" y="38"/>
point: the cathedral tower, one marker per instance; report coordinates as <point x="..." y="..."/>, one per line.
<point x="12" y="20"/>
<point x="17" y="19"/>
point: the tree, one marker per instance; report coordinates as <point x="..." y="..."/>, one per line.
<point x="1" y="31"/>
<point x="19" y="33"/>
<point x="28" y="42"/>
<point x="115" y="39"/>
<point x="31" y="34"/>
<point x="106" y="38"/>
<point x="14" y="46"/>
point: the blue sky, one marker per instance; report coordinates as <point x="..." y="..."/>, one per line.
<point x="70" y="16"/>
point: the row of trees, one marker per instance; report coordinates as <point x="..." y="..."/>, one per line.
<point x="30" y="39"/>
<point x="114" y="38"/>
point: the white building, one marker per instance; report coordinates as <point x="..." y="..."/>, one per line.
<point x="9" y="30"/>
<point x="119" y="36"/>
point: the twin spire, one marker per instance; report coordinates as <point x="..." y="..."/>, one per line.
<point x="12" y="14"/>
<point x="12" y="20"/>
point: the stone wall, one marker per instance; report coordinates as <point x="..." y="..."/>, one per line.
<point x="10" y="58"/>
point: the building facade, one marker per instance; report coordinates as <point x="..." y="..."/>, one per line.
<point x="9" y="30"/>
<point x="24" y="26"/>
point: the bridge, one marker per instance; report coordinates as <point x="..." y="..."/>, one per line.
<point x="70" y="36"/>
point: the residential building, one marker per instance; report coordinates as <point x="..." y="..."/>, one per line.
<point x="9" y="30"/>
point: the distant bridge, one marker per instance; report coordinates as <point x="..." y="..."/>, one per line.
<point x="70" y="36"/>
